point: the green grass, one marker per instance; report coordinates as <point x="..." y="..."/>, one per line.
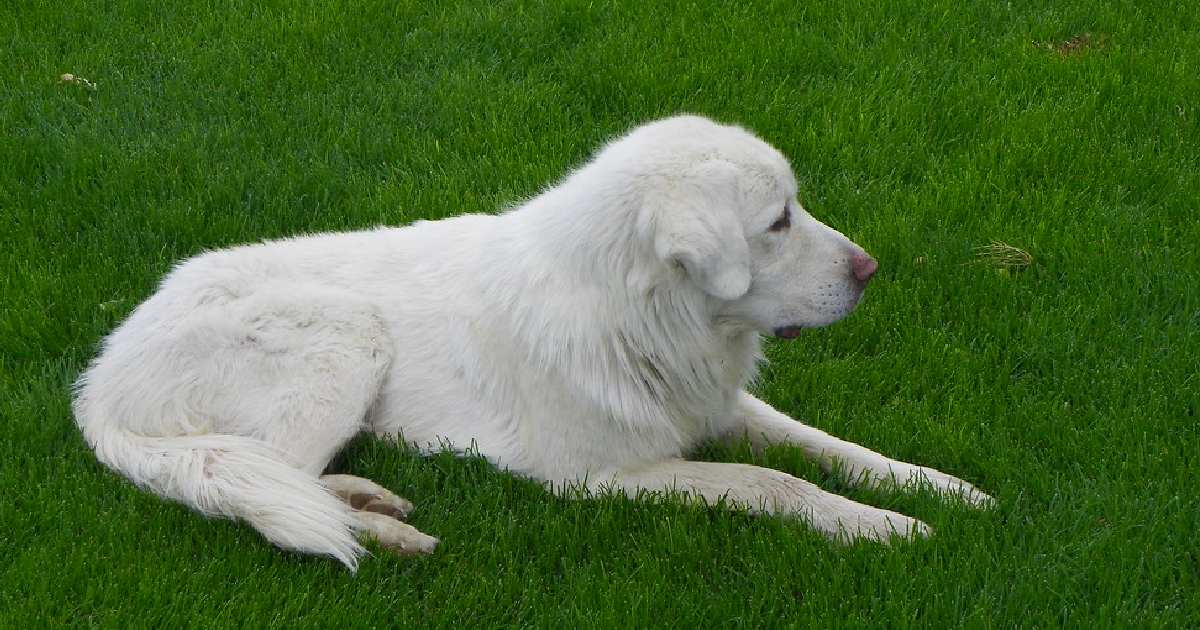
<point x="923" y="130"/>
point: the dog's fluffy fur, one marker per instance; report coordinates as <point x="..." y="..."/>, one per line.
<point x="593" y="335"/>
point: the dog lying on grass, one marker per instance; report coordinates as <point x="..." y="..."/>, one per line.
<point x="592" y="336"/>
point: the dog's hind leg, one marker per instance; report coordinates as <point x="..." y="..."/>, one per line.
<point x="299" y="368"/>
<point x="232" y="398"/>
<point x="334" y="355"/>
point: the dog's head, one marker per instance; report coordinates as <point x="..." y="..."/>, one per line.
<point x="720" y="206"/>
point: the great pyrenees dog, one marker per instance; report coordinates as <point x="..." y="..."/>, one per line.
<point x="590" y="338"/>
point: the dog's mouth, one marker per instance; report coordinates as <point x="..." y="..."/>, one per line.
<point x="789" y="332"/>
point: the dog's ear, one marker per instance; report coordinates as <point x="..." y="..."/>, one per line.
<point x="696" y="225"/>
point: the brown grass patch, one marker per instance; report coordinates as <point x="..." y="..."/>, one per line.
<point x="1075" y="46"/>
<point x="1003" y="256"/>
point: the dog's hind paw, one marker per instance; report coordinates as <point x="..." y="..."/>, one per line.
<point x="399" y="538"/>
<point x="368" y="496"/>
<point x="392" y="506"/>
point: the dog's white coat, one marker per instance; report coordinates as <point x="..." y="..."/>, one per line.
<point x="593" y="335"/>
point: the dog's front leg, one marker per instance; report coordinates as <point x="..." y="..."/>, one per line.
<point x="763" y="490"/>
<point x="764" y="425"/>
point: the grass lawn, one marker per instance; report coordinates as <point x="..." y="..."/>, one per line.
<point x="924" y="130"/>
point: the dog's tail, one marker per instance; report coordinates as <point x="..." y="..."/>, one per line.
<point x="234" y="477"/>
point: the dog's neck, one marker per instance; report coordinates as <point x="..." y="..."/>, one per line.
<point x="654" y="335"/>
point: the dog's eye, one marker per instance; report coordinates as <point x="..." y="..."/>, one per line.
<point x="783" y="222"/>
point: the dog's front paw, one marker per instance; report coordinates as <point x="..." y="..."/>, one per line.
<point x="881" y="526"/>
<point x="945" y="484"/>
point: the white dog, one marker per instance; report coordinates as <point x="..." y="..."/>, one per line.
<point x="592" y="336"/>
